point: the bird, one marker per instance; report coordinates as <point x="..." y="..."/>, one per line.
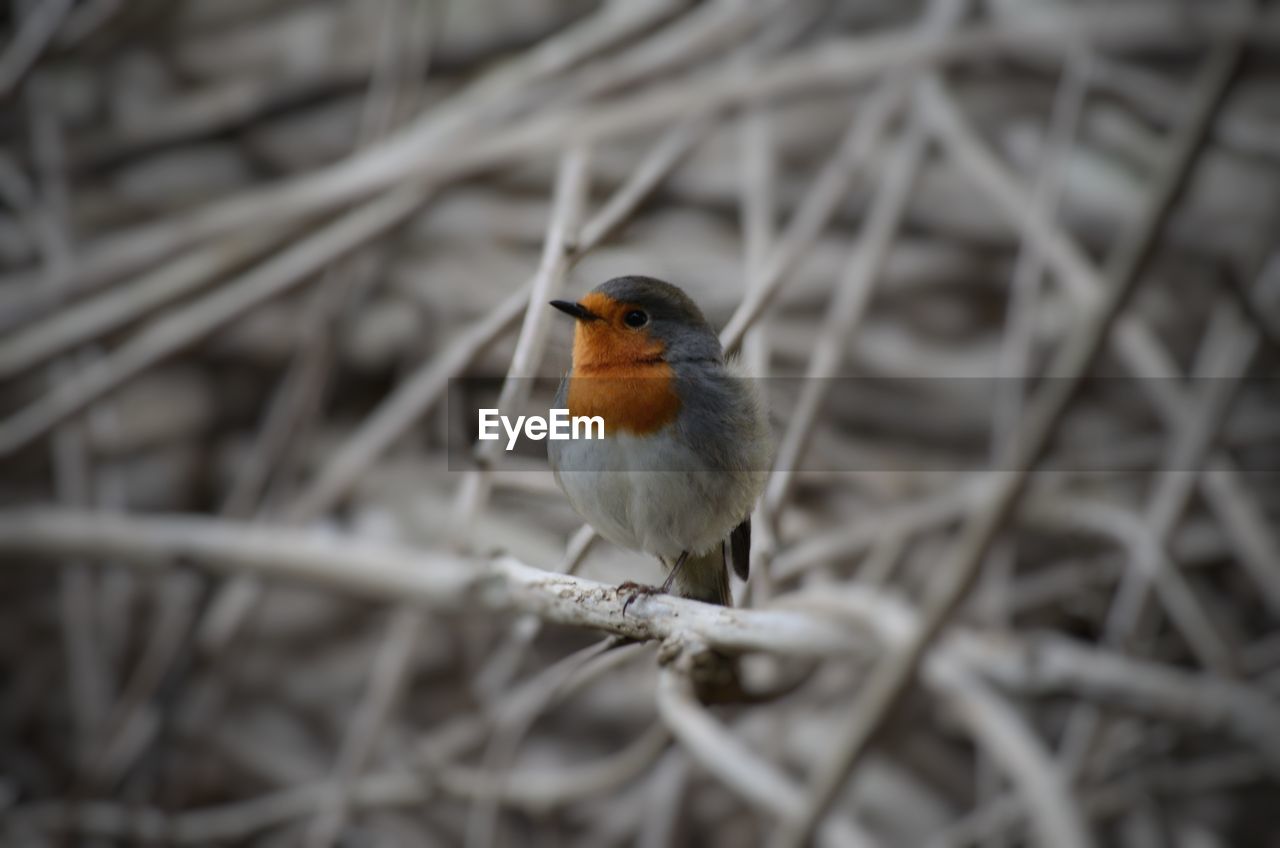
<point x="686" y="443"/>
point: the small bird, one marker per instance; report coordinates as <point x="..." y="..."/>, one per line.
<point x="686" y="444"/>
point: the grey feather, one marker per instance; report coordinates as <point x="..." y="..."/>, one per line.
<point x="740" y="546"/>
<point x="692" y="485"/>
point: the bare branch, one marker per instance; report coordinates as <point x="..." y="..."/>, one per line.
<point x="892" y="679"/>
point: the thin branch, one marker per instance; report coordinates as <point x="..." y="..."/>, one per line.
<point x="422" y="389"/>
<point x="747" y="774"/>
<point x="815" y="209"/>
<point x="1228" y="349"/>
<point x="536" y="791"/>
<point x="349" y="595"/>
<point x="415" y="155"/>
<point x="439" y="135"/>
<point x="82" y="323"/>
<point x="1136" y="344"/>
<point x="35" y="31"/>
<point x="891" y="680"/>
<point x="432" y="581"/>
<point x="518" y="715"/>
<point x="188" y="324"/>
<point x="1010" y="742"/>
<point x="572" y="184"/>
<point x="88" y="676"/>
<point x="849" y="304"/>
<point x="859" y="618"/>
<point x="387" y="680"/>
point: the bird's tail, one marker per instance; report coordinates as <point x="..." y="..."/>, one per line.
<point x="705" y="577"/>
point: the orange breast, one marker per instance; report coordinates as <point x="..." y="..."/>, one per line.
<point x="632" y="399"/>
<point x="635" y="399"/>
<point x="619" y="374"/>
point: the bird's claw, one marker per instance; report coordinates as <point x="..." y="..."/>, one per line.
<point x="636" y="590"/>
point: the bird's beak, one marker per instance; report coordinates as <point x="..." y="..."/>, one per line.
<point x="577" y="310"/>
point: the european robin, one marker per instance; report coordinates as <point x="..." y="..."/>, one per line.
<point x="686" y="444"/>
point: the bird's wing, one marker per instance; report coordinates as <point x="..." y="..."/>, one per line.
<point x="740" y="548"/>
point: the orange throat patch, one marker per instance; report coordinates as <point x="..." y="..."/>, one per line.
<point x="637" y="399"/>
<point x="619" y="374"/>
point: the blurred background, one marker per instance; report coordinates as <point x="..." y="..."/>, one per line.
<point x="248" y="248"/>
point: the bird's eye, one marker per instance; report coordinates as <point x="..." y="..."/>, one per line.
<point x="635" y="318"/>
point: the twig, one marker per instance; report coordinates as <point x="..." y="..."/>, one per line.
<point x="1109" y="799"/>
<point x="447" y="584"/>
<point x="1253" y="303"/>
<point x="848" y="305"/>
<point x="410" y="157"/>
<point x="720" y="752"/>
<point x="757" y="203"/>
<point x="34" y="33"/>
<point x="1057" y="665"/>
<point x="666" y="790"/>
<point x="518" y="716"/>
<point x="1145" y="548"/>
<point x="903" y="519"/>
<point x="539" y="791"/>
<point x="387" y="679"/>
<point x="82" y="323"/>
<point x="86" y="19"/>
<point x="1139" y="348"/>
<point x="433" y="581"/>
<point x="189" y="324"/>
<point x="1018" y="342"/>
<point x="490" y="681"/>
<point x="72" y="470"/>
<point x="296" y="400"/>
<point x="376" y="434"/>
<point x="1229" y="346"/>
<point x="423" y="388"/>
<point x="396" y="652"/>
<point x="314" y="423"/>
<point x="535" y="791"/>
<point x="1010" y="742"/>
<point x="570" y="191"/>
<point x="815" y="209"/>
<point x="572" y="184"/>
<point x="435" y="136"/>
<point x="891" y="680"/>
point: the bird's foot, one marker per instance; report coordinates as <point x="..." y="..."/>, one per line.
<point x="635" y="590"/>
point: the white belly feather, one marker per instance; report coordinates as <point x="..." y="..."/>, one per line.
<point x="634" y="494"/>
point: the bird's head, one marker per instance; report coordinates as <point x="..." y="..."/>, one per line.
<point x="629" y="322"/>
